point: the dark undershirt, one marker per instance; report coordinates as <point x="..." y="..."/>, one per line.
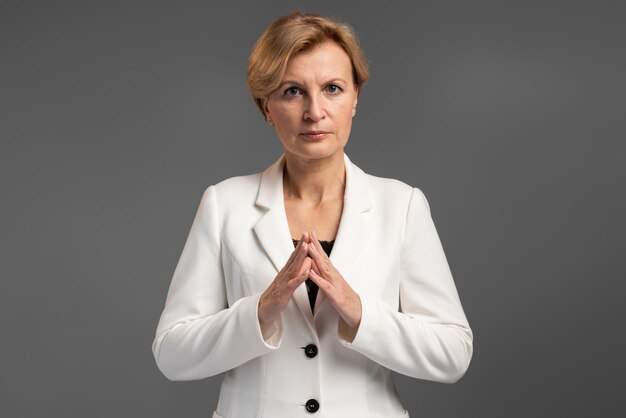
<point x="311" y="287"/>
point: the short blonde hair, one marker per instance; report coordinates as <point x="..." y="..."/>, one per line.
<point x="293" y="33"/>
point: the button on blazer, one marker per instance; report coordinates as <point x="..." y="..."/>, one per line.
<point x="386" y="248"/>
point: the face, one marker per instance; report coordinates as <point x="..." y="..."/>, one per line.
<point x="313" y="106"/>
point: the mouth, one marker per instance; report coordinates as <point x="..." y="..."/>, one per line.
<point x="314" y="135"/>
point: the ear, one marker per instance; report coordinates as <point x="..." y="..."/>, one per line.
<point x="266" y="110"/>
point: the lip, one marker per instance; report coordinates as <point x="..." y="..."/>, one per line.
<point x="315" y="135"/>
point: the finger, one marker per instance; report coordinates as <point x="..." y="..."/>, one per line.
<point x="298" y="254"/>
<point x="299" y="279"/>
<point x="306" y="265"/>
<point x="298" y="248"/>
<point x="303" y="253"/>
<point x="318" y="245"/>
<point x="321" y="262"/>
<point x="293" y="254"/>
<point x="315" y="268"/>
<point x="326" y="286"/>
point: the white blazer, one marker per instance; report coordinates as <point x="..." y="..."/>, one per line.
<point x="386" y="248"/>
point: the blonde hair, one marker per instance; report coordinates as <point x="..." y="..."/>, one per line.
<point x="293" y="33"/>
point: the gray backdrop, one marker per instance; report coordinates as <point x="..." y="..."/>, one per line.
<point x="116" y="115"/>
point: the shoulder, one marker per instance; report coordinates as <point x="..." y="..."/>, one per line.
<point x="388" y="186"/>
<point x="394" y="194"/>
<point x="389" y="189"/>
<point x="231" y="192"/>
<point x="238" y="186"/>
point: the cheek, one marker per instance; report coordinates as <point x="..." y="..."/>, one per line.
<point x="346" y="119"/>
<point x="346" y="108"/>
<point x="285" y="116"/>
<point x="285" y="124"/>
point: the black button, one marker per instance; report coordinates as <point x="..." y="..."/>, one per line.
<point x="312" y="405"/>
<point x="310" y="350"/>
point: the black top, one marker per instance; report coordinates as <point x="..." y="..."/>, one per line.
<point x="311" y="287"/>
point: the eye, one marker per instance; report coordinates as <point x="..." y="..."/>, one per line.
<point x="292" y="91"/>
<point x="333" y="89"/>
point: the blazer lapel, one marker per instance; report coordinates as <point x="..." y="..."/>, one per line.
<point x="272" y="228"/>
<point x="355" y="227"/>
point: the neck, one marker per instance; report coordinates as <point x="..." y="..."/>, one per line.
<point x="314" y="181"/>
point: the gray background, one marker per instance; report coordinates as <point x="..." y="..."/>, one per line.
<point x="116" y="115"/>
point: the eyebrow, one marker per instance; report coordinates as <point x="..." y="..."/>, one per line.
<point x="332" y="80"/>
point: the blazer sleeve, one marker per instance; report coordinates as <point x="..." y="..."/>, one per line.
<point x="199" y="334"/>
<point x="429" y="338"/>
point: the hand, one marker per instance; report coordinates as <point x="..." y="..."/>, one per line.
<point x="346" y="301"/>
<point x="293" y="274"/>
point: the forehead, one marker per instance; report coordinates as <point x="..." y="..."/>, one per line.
<point x="324" y="61"/>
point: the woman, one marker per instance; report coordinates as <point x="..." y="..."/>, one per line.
<point x="296" y="331"/>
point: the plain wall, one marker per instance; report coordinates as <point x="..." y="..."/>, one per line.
<point x="116" y="115"/>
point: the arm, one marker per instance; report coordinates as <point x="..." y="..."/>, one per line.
<point x="430" y="337"/>
<point x="198" y="334"/>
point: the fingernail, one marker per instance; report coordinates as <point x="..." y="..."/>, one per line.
<point x="314" y="234"/>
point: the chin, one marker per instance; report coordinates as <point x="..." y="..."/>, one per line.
<point x="314" y="152"/>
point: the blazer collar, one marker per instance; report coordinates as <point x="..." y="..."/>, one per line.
<point x="355" y="228"/>
<point x="271" y="187"/>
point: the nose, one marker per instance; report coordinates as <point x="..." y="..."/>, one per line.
<point x="314" y="110"/>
